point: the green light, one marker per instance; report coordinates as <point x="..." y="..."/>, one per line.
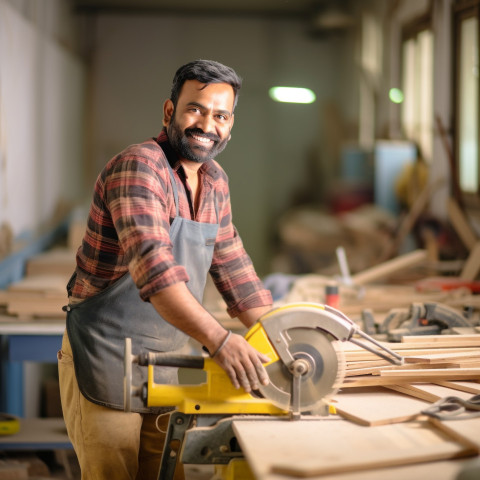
<point x="292" y="95"/>
<point x="395" y="95"/>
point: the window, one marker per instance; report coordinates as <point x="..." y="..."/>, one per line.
<point x="371" y="70"/>
<point x="467" y="98"/>
<point x="417" y="86"/>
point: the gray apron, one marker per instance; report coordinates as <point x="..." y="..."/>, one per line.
<point x="97" y="327"/>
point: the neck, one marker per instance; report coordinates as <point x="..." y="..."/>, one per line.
<point x="190" y="166"/>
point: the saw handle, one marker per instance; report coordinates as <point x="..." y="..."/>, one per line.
<point x="392" y="357"/>
<point x="168" y="359"/>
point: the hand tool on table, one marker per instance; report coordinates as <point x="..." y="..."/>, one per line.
<point x="9" y="424"/>
<point x="429" y="318"/>
<point x="306" y="367"/>
<point x="454" y="408"/>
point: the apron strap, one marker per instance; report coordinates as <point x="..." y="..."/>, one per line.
<point x="174" y="187"/>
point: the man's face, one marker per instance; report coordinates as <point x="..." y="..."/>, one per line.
<point x="199" y="127"/>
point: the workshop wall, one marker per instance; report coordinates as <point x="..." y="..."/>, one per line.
<point x="42" y="93"/>
<point x="135" y="57"/>
<point x="64" y="114"/>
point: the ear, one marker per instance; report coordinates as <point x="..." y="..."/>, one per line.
<point x="167" y="112"/>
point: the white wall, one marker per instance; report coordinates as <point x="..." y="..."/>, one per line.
<point x="135" y="58"/>
<point x="42" y="94"/>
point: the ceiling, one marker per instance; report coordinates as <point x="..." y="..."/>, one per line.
<point x="270" y="8"/>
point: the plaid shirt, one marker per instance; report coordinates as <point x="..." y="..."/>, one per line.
<point x="129" y="221"/>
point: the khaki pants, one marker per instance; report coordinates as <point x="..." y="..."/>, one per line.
<point x="110" y="444"/>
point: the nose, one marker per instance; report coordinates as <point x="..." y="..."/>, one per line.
<point x="207" y="123"/>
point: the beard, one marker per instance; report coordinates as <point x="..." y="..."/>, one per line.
<point x="180" y="143"/>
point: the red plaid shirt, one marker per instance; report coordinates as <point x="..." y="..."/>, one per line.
<point x="129" y="221"/>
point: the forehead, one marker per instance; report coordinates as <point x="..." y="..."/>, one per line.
<point x="213" y="95"/>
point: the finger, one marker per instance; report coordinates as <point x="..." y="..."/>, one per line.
<point x="233" y="378"/>
<point x="244" y="380"/>
<point x="263" y="358"/>
<point x="262" y="374"/>
<point x="252" y="377"/>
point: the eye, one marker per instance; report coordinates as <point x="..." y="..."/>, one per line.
<point x="222" y="117"/>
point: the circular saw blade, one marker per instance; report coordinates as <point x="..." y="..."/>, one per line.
<point x="326" y="373"/>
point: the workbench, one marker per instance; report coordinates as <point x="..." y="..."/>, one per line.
<point x="21" y="341"/>
<point x="37" y="434"/>
<point x="337" y="448"/>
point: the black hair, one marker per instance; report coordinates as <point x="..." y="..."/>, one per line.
<point x="207" y="72"/>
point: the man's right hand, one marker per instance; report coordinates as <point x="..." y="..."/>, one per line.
<point x="242" y="363"/>
<point x="236" y="356"/>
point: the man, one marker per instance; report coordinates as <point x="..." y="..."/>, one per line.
<point x="159" y="222"/>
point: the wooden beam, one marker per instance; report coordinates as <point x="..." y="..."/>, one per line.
<point x="471" y="268"/>
<point x="385" y="269"/>
<point x="461" y="224"/>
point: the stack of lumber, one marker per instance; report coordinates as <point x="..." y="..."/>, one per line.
<point x="429" y="358"/>
<point x="42" y="292"/>
<point x="375" y="392"/>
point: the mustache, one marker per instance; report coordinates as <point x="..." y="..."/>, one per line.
<point x="199" y="132"/>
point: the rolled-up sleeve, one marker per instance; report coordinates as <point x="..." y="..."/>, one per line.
<point x="137" y="193"/>
<point x="232" y="270"/>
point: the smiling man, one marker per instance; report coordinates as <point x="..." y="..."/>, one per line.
<point x="159" y="222"/>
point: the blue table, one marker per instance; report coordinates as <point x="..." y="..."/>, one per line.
<point x="36" y="341"/>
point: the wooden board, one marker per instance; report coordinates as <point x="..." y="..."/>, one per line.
<point x="472" y="265"/>
<point x="435" y="358"/>
<point x="452" y="373"/>
<point x="429" y="392"/>
<point x="56" y="261"/>
<point x="416" y="376"/>
<point x="464" y="430"/>
<point x="461" y="224"/>
<point x="469" y="387"/>
<point x="318" y="447"/>
<point x="385" y="269"/>
<point x="432" y="340"/>
<point x="377" y="406"/>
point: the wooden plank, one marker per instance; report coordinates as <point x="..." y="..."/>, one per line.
<point x="455" y="340"/>
<point x="414" y="366"/>
<point x="368" y="363"/>
<point x="469" y="387"/>
<point x="461" y="224"/>
<point x="383" y="270"/>
<point x="364" y="355"/>
<point x="312" y="448"/>
<point x="377" y="406"/>
<point x="55" y="261"/>
<point x="408" y="390"/>
<point x="380" y="380"/>
<point x="428" y="391"/>
<point x="436" y="358"/>
<point x="40" y="283"/>
<point x="465" y="431"/>
<point x="431" y="373"/>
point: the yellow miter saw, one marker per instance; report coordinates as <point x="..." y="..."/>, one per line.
<point x="306" y="367"/>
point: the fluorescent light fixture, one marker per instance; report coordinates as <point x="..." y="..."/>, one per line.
<point x="292" y="94"/>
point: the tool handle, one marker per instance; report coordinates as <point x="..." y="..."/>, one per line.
<point x="167" y="359"/>
<point x="392" y="357"/>
<point x="443" y="313"/>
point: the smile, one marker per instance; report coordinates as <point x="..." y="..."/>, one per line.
<point x="202" y="139"/>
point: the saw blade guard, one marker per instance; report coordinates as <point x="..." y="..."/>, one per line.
<point x="305" y="337"/>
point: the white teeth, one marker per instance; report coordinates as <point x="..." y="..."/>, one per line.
<point x="201" y="139"/>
